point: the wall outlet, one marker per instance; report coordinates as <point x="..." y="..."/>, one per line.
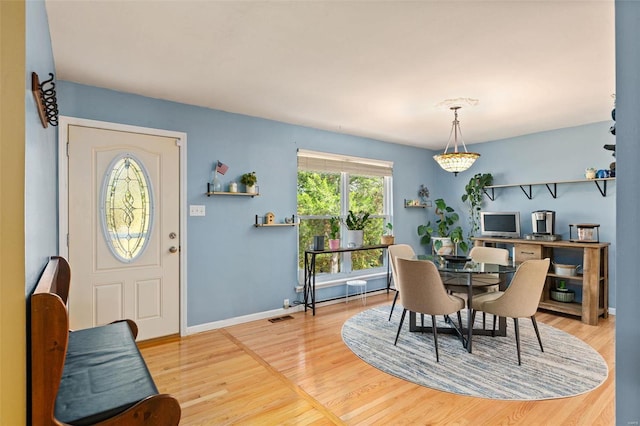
<point x="285" y="304"/>
<point x="195" y="210"/>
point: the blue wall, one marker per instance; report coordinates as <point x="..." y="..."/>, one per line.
<point x="628" y="153"/>
<point x="233" y="268"/>
<point x="41" y="160"/>
<point x="545" y="157"/>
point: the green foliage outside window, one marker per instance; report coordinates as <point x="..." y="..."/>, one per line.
<point x="319" y="200"/>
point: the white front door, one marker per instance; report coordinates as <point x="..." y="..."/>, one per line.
<point x="124" y="234"/>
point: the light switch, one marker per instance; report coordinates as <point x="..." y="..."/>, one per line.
<point x="195" y="210"/>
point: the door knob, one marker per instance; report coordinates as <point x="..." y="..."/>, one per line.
<point x="173" y="249"/>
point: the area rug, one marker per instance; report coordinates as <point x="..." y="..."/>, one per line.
<point x="566" y="368"/>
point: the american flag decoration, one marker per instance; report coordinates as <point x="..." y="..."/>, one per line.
<point x="221" y="168"/>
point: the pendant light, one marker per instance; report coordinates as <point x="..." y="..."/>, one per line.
<point x="456" y="161"/>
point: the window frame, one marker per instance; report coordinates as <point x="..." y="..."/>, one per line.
<point x="328" y="279"/>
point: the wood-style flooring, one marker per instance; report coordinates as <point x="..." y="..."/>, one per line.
<point x="299" y="372"/>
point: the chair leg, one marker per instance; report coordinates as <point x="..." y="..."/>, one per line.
<point x="404" y="312"/>
<point x="484" y="320"/>
<point x="393" y="305"/>
<point x="517" y="330"/>
<point x="493" y="331"/>
<point x="422" y="322"/>
<point x="535" y="327"/>
<point x="435" y="336"/>
<point x="464" y="343"/>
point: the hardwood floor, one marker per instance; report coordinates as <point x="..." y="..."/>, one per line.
<point x="299" y="371"/>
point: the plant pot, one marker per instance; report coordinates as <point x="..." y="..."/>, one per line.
<point x="251" y="189"/>
<point x="446" y="248"/>
<point x="355" y="238"/>
<point x="334" y="244"/>
<point x="387" y="239"/>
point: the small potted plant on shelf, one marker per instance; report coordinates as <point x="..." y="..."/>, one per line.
<point x="355" y="224"/>
<point x="446" y="236"/>
<point x="334" y="232"/>
<point x="249" y="180"/>
<point x="388" y="237"/>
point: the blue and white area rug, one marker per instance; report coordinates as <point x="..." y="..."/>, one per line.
<point x="567" y="367"/>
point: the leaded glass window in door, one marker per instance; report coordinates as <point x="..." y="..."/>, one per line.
<point x="126" y="207"/>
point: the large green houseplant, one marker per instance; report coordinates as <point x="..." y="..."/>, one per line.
<point x="473" y="196"/>
<point x="445" y="228"/>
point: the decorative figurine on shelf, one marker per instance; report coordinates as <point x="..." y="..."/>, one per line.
<point x="423" y="193"/>
<point x="269" y="218"/>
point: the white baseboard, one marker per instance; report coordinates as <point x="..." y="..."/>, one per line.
<point x="266" y="315"/>
<point x="245" y="318"/>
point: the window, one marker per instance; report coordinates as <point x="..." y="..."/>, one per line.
<point x="330" y="185"/>
<point x="126" y="208"/>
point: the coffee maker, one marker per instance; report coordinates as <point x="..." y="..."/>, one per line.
<point x="543" y="222"/>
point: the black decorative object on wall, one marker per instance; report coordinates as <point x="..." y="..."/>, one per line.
<point x="612" y="147"/>
<point x="45" y="96"/>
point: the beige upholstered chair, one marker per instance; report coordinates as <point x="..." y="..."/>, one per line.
<point x="520" y="300"/>
<point x="422" y="291"/>
<point x="398" y="250"/>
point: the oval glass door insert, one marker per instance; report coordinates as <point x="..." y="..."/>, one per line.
<point x="126" y="206"/>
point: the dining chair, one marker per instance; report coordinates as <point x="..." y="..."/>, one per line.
<point x="422" y="291"/>
<point x="483" y="283"/>
<point x="395" y="251"/>
<point x="519" y="300"/>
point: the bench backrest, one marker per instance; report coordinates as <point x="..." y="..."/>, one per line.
<point x="49" y="338"/>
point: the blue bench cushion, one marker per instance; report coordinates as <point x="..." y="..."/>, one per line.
<point x="104" y="374"/>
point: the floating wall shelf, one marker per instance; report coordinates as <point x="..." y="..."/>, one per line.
<point x="551" y="186"/>
<point x="422" y="205"/>
<point x="267" y="225"/>
<point x="245" y="194"/>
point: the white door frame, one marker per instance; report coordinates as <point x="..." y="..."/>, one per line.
<point x="63" y="187"/>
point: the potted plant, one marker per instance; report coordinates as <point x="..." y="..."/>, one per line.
<point x="446" y="235"/>
<point x="249" y="180"/>
<point x="388" y="237"/>
<point x="355" y="225"/>
<point x="334" y="232"/>
<point x="474" y="195"/>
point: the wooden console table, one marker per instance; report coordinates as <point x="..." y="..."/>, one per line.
<point x="310" y="271"/>
<point x="594" y="278"/>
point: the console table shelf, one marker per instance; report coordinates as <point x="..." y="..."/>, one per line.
<point x="601" y="183"/>
<point x="594" y="279"/>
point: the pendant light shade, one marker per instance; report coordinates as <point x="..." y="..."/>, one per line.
<point x="455" y="161"/>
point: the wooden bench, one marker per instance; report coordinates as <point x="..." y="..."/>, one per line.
<point x="91" y="376"/>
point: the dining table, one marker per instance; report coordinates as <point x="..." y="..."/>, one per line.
<point x="461" y="272"/>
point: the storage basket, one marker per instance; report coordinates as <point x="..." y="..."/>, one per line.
<point x="563" y="296"/>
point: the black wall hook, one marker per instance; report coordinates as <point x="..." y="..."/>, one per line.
<point x="45" y="95"/>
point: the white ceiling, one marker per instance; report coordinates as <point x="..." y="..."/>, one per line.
<point x="370" y="68"/>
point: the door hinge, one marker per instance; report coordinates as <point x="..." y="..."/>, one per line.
<point x="67" y="240"/>
<point x="67" y="149"/>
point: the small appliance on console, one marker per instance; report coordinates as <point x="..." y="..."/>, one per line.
<point x="543" y="223"/>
